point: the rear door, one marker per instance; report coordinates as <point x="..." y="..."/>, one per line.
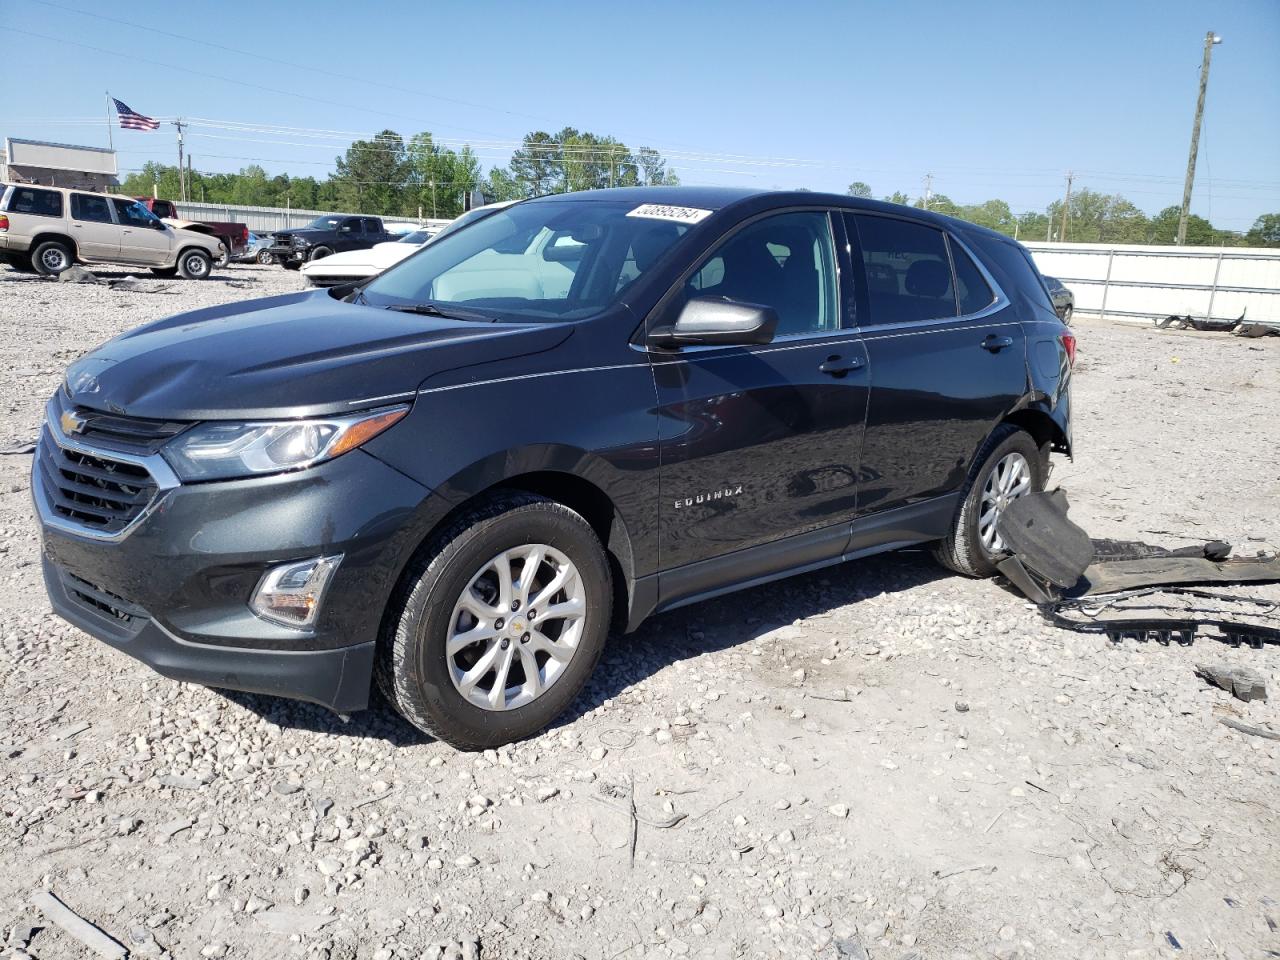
<point x="93" y="227"/>
<point x="946" y="356"/>
<point x="760" y="444"/>
<point x="143" y="238"/>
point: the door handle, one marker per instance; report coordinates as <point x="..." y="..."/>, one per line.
<point x="996" y="344"/>
<point x="837" y="366"/>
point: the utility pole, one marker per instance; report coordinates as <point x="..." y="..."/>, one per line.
<point x="928" y="189"/>
<point x="1210" y="40"/>
<point x="182" y="174"/>
<point x="1066" y="206"/>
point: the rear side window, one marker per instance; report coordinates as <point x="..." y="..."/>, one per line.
<point x="373" y="226"/>
<point x="974" y="291"/>
<point x="91" y="209"/>
<point x="39" y="203"/>
<point x="908" y="271"/>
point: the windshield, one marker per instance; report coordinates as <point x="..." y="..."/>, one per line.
<point x="549" y="260"/>
<point x="324" y="223"/>
<point x="418" y="236"/>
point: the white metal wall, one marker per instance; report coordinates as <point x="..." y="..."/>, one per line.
<point x="1134" y="282"/>
<point x="267" y="219"/>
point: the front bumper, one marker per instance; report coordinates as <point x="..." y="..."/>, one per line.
<point x="287" y="253"/>
<point x="173" y="589"/>
<point x="338" y="679"/>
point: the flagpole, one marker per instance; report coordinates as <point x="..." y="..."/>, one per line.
<point x="110" y="141"/>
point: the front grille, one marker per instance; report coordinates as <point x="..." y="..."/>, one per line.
<point x="96" y="492"/>
<point x="135" y="435"/>
<point x="104" y="601"/>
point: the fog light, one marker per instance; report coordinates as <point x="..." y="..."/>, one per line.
<point x="291" y="593"/>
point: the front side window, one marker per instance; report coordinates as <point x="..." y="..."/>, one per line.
<point x="133" y="214"/>
<point x="40" y="203"/>
<point x="539" y="260"/>
<point x="786" y="262"/>
<point x="350" y="226"/>
<point x="90" y="208"/>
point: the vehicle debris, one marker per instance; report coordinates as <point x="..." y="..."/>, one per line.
<point x="1250" y="729"/>
<point x="1115" y="586"/>
<point x="64" y="917"/>
<point x="1241" y="682"/>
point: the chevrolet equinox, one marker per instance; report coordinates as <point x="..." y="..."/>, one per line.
<point x="456" y="478"/>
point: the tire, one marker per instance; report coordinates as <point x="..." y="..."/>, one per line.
<point x="194" y="265"/>
<point x="964" y="550"/>
<point x="266" y="257"/>
<point x="425" y="684"/>
<point x="51" y="257"/>
<point x="319" y="253"/>
<point x="165" y="271"/>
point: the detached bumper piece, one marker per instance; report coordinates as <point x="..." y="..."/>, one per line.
<point x="1131" y="590"/>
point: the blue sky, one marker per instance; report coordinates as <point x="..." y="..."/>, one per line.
<point x="994" y="99"/>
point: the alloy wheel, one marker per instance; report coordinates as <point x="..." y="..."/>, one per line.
<point x="54" y="260"/>
<point x="515" y="627"/>
<point x="1010" y="480"/>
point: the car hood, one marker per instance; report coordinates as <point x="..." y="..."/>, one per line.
<point x="301" y="354"/>
<point x="307" y="233"/>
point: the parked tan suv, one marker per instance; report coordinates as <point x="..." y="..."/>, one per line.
<point x="47" y="229"/>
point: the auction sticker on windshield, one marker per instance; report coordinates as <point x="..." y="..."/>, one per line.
<point x="662" y="211"/>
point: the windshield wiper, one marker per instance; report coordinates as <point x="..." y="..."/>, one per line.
<point x="429" y="309"/>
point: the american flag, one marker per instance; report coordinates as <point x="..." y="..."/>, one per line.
<point x="129" y="120"/>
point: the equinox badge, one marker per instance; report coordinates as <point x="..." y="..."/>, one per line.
<point x="725" y="494"/>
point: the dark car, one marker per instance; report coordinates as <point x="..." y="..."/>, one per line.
<point x="333" y="233"/>
<point x="565" y="417"/>
<point x="1064" y="301"/>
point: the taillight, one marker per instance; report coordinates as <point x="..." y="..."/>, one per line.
<point x="1069" y="345"/>
<point x="4" y="222"/>
<point x="244" y="233"/>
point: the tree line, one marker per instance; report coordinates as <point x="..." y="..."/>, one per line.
<point x="1092" y="217"/>
<point x="394" y="177"/>
<point x="390" y="176"/>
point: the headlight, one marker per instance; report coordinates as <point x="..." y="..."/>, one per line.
<point x="221" y="450"/>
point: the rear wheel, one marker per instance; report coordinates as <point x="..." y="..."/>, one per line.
<point x="498" y="624"/>
<point x="1010" y="465"/>
<point x="51" y="257"/>
<point x="194" y="264"/>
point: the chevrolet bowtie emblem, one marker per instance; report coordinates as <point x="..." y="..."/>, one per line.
<point x="71" y="422"/>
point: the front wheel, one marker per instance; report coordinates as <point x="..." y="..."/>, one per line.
<point x="498" y="624"/>
<point x="1009" y="466"/>
<point x="266" y="257"/>
<point x="319" y="253"/>
<point x="194" y="265"/>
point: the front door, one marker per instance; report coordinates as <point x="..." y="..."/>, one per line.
<point x="760" y="445"/>
<point x="143" y="238"/>
<point x="92" y="227"/>
<point x="946" y="355"/>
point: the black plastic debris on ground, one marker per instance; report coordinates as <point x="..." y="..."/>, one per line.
<point x="1080" y="583"/>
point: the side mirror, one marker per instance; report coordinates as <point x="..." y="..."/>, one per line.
<point x="711" y="321"/>
<point x="157" y="224"/>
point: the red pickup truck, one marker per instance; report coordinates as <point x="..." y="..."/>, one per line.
<point x="234" y="236"/>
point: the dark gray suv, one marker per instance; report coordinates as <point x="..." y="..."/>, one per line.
<point x="567" y="416"/>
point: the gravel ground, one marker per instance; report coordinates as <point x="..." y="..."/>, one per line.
<point x="879" y="761"/>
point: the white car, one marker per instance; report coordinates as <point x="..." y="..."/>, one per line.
<point x="356" y="265"/>
<point x="362" y="264"/>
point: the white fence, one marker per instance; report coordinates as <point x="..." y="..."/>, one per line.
<point x="1132" y="282"/>
<point x="268" y="219"/>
